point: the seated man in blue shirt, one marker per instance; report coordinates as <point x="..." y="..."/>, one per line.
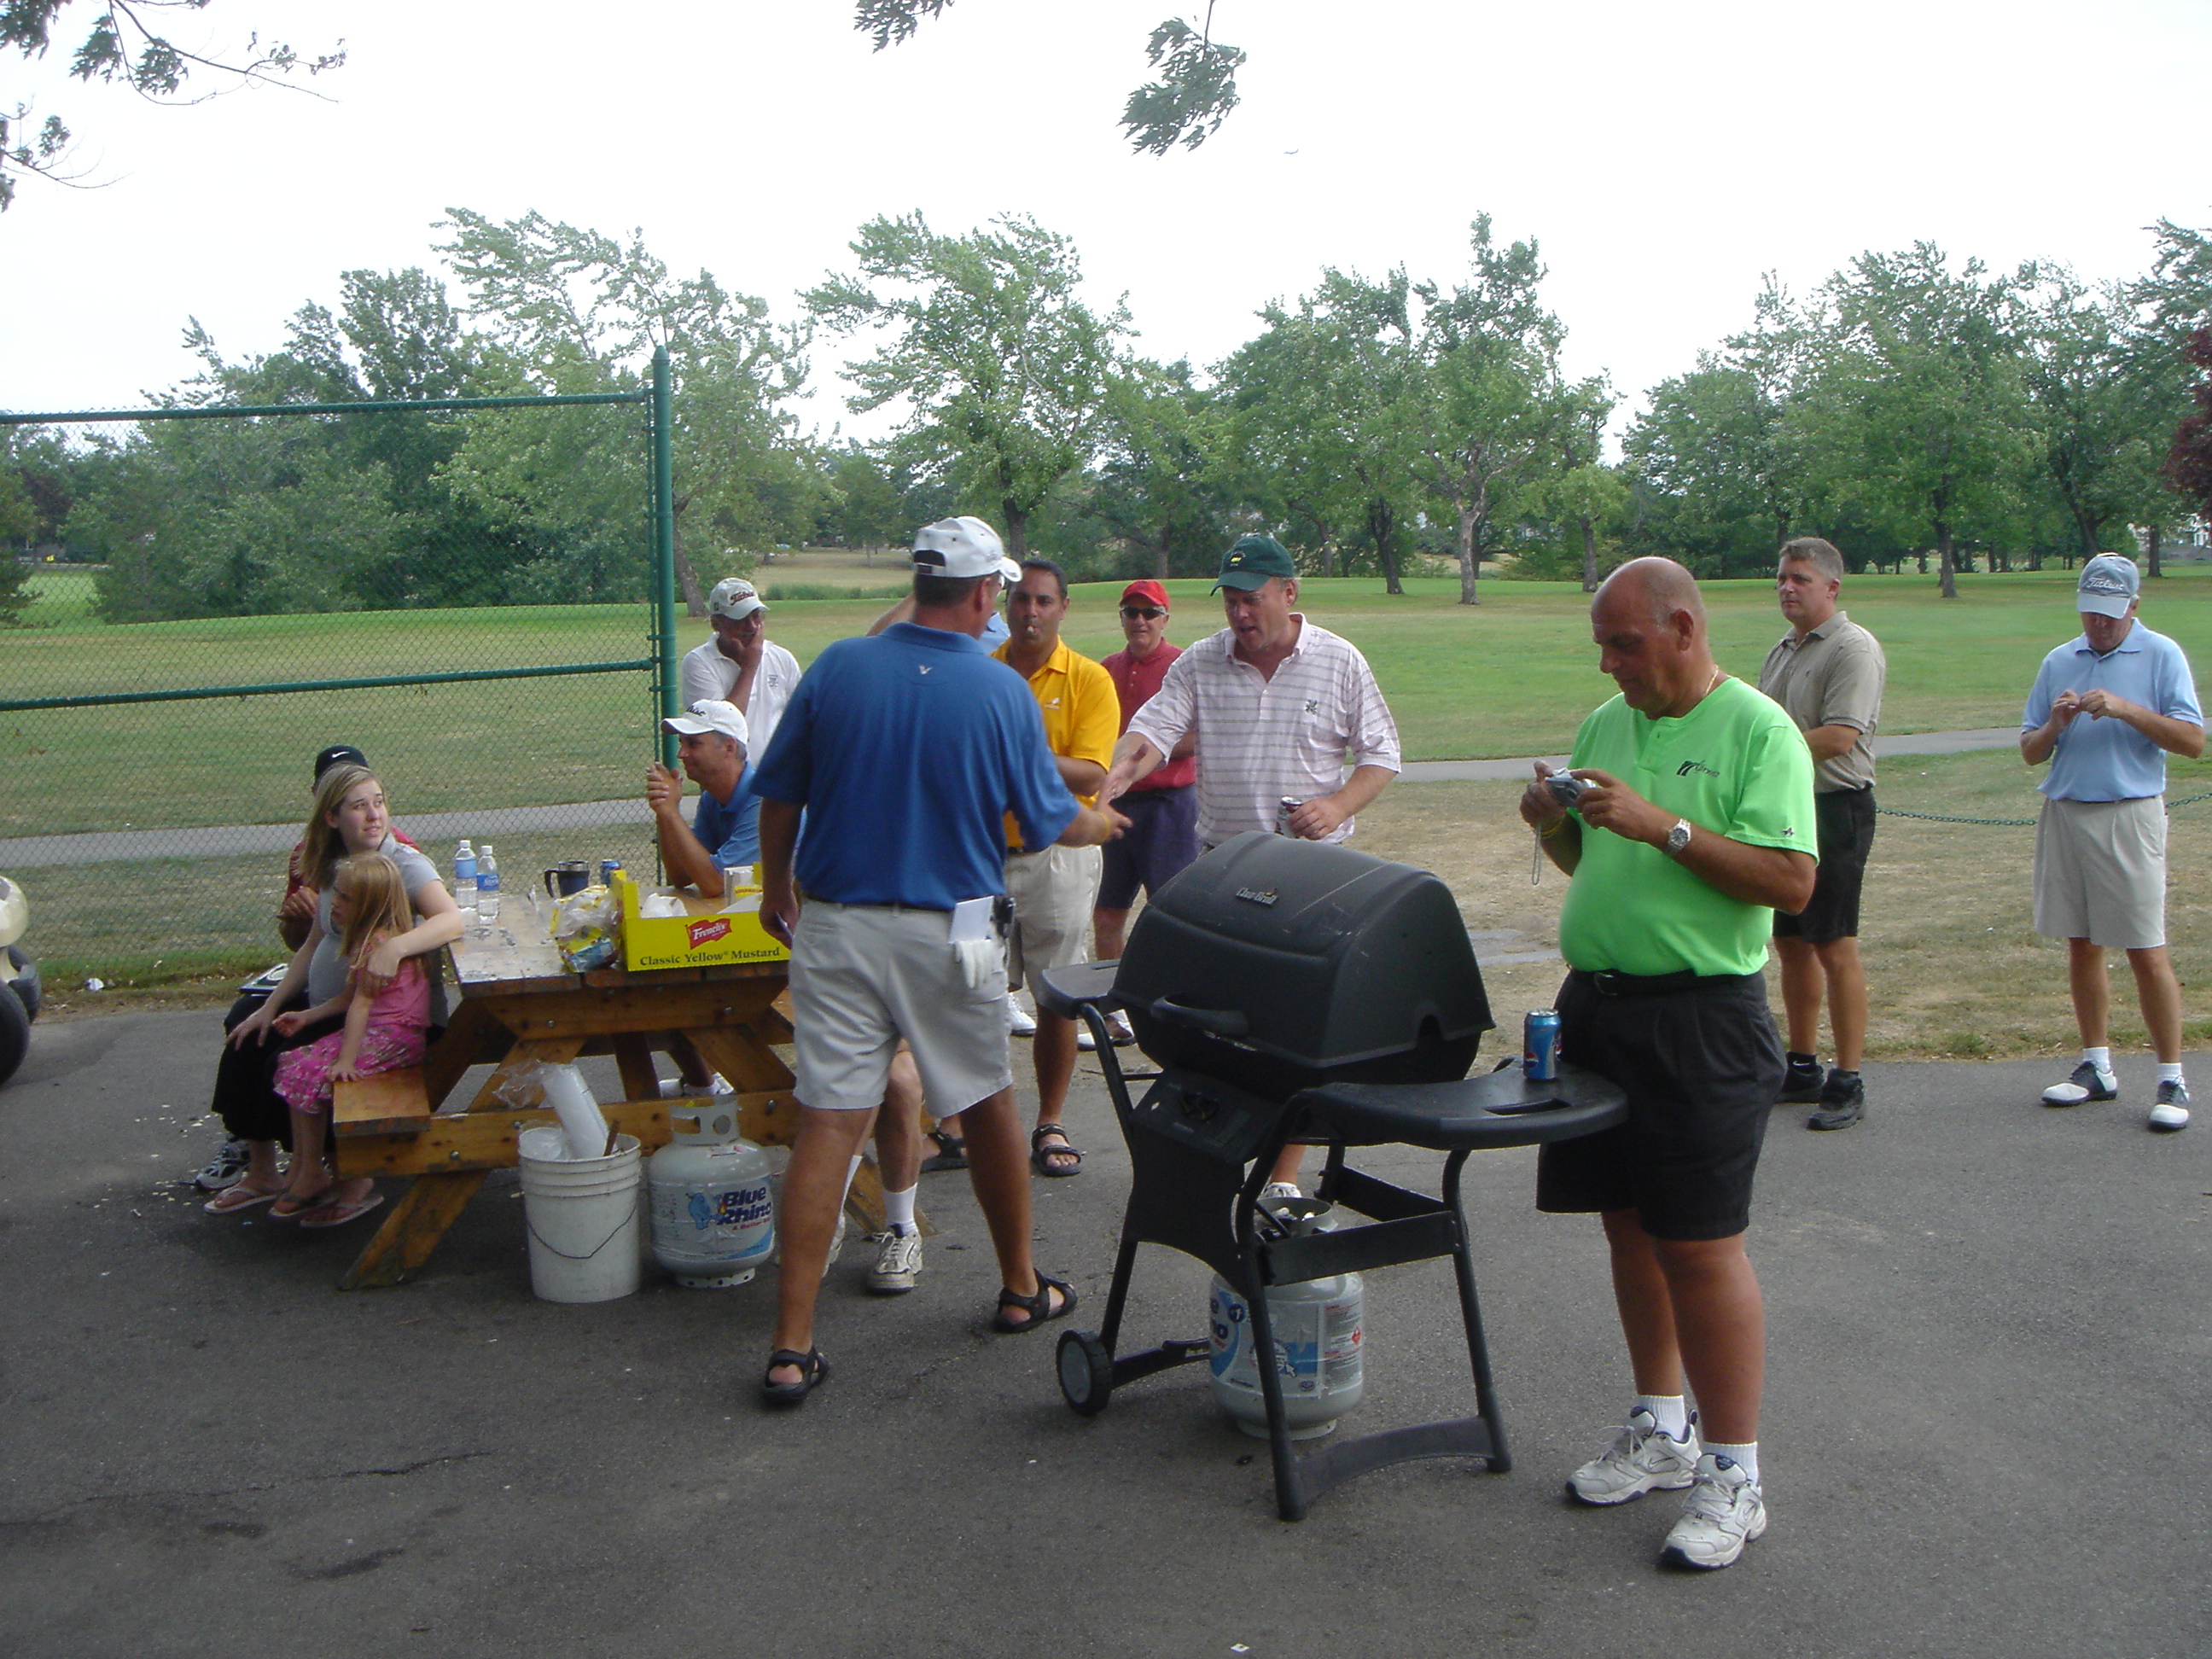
<point x="726" y="829"/>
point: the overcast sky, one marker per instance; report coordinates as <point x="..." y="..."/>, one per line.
<point x="1662" y="156"/>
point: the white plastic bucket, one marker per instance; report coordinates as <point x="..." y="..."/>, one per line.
<point x="582" y="1216"/>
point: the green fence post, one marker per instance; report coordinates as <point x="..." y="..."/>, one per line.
<point x="664" y="553"/>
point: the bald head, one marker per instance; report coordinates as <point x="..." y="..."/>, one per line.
<point x="1657" y="588"/>
<point x="1649" y="621"/>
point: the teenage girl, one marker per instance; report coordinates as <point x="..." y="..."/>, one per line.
<point x="351" y="818"/>
<point x="383" y="1031"/>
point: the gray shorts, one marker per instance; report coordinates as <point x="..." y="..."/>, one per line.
<point x="1053" y="891"/>
<point x="862" y="977"/>
<point x="2100" y="871"/>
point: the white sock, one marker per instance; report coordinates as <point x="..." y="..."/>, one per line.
<point x="1745" y="1456"/>
<point x="898" y="1210"/>
<point x="2169" y="1073"/>
<point x="2102" y="1060"/>
<point x="851" y="1170"/>
<point x="1670" y="1410"/>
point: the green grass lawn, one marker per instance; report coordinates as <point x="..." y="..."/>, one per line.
<point x="1514" y="676"/>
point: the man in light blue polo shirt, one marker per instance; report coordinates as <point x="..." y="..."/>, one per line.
<point x="905" y="749"/>
<point x="724" y="830"/>
<point x="2106" y="711"/>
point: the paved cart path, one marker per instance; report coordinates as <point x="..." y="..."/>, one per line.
<point x="224" y="841"/>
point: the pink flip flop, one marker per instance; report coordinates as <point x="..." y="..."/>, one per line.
<point x="337" y="1215"/>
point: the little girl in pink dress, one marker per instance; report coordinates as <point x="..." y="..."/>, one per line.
<point x="383" y="1032"/>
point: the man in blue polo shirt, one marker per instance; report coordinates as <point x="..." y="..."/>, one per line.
<point x="725" y="831"/>
<point x="904" y="751"/>
<point x="2106" y="711"/>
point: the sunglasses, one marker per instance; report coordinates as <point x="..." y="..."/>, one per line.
<point x="1147" y="612"/>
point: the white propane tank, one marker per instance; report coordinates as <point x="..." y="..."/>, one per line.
<point x="714" y="1212"/>
<point x="1320" y="1338"/>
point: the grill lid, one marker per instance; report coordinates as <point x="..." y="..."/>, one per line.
<point x="1283" y="964"/>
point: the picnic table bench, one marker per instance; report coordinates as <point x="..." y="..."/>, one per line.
<point x="519" y="1003"/>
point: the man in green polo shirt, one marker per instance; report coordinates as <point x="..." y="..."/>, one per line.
<point x="1694" y="823"/>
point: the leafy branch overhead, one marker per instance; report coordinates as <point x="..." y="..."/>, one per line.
<point x="1186" y="105"/>
<point x="123" y="45"/>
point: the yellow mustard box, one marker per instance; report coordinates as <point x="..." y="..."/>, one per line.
<point x="706" y="935"/>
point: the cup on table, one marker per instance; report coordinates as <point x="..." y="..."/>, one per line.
<point x="569" y="876"/>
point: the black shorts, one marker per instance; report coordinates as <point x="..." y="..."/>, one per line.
<point x="1701" y="1067"/>
<point x="1844" y="821"/>
<point x="1159" y="844"/>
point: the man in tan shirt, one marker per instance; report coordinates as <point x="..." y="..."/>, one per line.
<point x="1827" y="671"/>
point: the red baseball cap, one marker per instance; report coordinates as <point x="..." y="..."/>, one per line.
<point x="1147" y="590"/>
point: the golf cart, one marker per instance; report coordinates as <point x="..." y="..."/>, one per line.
<point x="19" y="983"/>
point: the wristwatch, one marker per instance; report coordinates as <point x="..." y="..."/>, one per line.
<point x="1678" y="838"/>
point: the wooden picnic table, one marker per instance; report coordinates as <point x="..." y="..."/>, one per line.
<point x="519" y="1003"/>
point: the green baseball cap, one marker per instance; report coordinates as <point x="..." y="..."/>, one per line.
<point x="1253" y="560"/>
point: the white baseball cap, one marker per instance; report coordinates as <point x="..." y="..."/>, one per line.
<point x="710" y="714"/>
<point x="735" y="599"/>
<point x="958" y="547"/>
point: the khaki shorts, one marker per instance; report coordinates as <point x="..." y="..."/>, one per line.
<point x="2100" y="871"/>
<point x="863" y="976"/>
<point x="1053" y="892"/>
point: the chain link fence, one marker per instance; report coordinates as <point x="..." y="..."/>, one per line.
<point x="474" y="592"/>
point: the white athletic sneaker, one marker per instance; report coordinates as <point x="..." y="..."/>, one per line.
<point x="1017" y="1018"/>
<point x="1281" y="1190"/>
<point x="1640" y="1460"/>
<point x="2172" y="1111"/>
<point x="2084" y="1083"/>
<point x="1725" y="1511"/>
<point x="898" y="1259"/>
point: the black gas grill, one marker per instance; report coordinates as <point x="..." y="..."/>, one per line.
<point x="1294" y="990"/>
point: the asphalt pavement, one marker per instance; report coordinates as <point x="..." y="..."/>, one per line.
<point x="1985" y="1406"/>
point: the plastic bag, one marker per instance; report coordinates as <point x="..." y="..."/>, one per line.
<point x="588" y="926"/>
<point x="583" y="1125"/>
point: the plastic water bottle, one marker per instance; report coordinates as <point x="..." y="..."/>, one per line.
<point x="487" y="886"/>
<point x="464" y="876"/>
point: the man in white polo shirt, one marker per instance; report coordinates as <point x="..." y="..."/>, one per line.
<point x="739" y="663"/>
<point x="1276" y="703"/>
<point x="2107" y="708"/>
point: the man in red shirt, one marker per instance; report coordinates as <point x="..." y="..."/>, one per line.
<point x="1163" y="806"/>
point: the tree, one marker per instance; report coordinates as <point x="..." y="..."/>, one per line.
<point x="1918" y="408"/>
<point x="1472" y="372"/>
<point x="1159" y="489"/>
<point x="1186" y="105"/>
<point x="1320" y="434"/>
<point x="2177" y="298"/>
<point x="2101" y="405"/>
<point x="578" y="312"/>
<point x="1003" y="370"/>
<point x="122" y="46"/>
<point x="2187" y="466"/>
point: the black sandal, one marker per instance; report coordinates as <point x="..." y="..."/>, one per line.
<point x="1039" y="1152"/>
<point x="813" y="1369"/>
<point x="951" y="1152"/>
<point x="1038" y="1307"/>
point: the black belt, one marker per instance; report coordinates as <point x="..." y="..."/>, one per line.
<point x="1607" y="983"/>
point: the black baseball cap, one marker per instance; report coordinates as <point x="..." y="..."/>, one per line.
<point x="339" y="754"/>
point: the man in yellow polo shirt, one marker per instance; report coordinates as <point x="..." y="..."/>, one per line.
<point x="1053" y="888"/>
